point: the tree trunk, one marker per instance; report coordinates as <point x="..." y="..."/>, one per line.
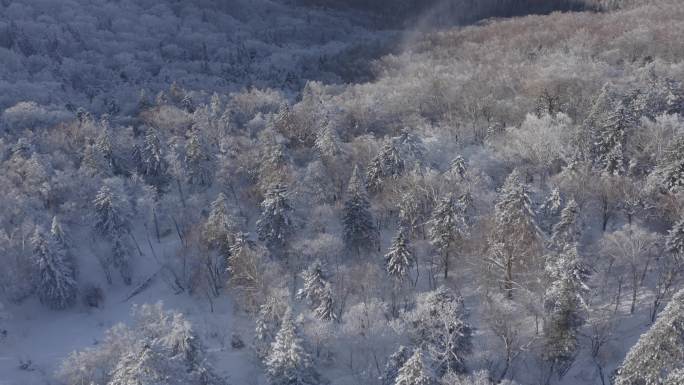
<point x="508" y="279"/>
<point x="605" y="214"/>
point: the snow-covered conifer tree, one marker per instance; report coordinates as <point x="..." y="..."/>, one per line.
<point x="670" y="169"/>
<point x="275" y="225"/>
<point x="149" y="157"/>
<point x="658" y="351"/>
<point x="414" y="371"/>
<point x="112" y="214"/>
<point x="394" y="363"/>
<point x="58" y="234"/>
<point x="410" y="146"/>
<point x="674" y="241"/>
<point x="328" y="143"/>
<point x="566" y="231"/>
<point x="220" y="225"/>
<point x="449" y="226"/>
<point x="315" y="279"/>
<point x="551" y="208"/>
<point x="388" y="164"/>
<point x="198" y="160"/>
<point x="359" y="230"/>
<point x="105" y="147"/>
<point x="56" y="279"/>
<point x="288" y="362"/>
<point x="317" y="291"/>
<point x="516" y="234"/>
<point x="610" y="141"/>
<point x="563" y="303"/>
<point x="325" y="311"/>
<point x="268" y="321"/>
<point x="458" y="167"/>
<point x="399" y="259"/>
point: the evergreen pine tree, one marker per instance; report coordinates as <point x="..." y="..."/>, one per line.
<point x="409" y="145"/>
<point x="388" y="164"/>
<point x="414" y="371"/>
<point x="359" y="230"/>
<point x="105" y="148"/>
<point x="658" y="351"/>
<point x="317" y="291"/>
<point x="315" y="279"/>
<point x="274" y="226"/>
<point x="98" y="157"/>
<point x="551" y="209"/>
<point x="112" y="222"/>
<point x="325" y="311"/>
<point x="399" y="259"/>
<point x="610" y="141"/>
<point x="187" y="104"/>
<point x="149" y="157"/>
<point x="563" y="303"/>
<point x="328" y="143"/>
<point x="449" y="226"/>
<point x="219" y="227"/>
<point x="516" y="233"/>
<point x="288" y="363"/>
<point x="674" y="241"/>
<point x="58" y="233"/>
<point x="566" y="231"/>
<point x="268" y="321"/>
<point x="198" y="161"/>
<point x="394" y="363"/>
<point x="670" y="169"/>
<point x="458" y="167"/>
<point x="56" y="280"/>
<point x="110" y="210"/>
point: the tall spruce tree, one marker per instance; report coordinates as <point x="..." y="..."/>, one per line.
<point x="359" y="231"/>
<point x="388" y="164"/>
<point x="327" y="143"/>
<point x="610" y="142"/>
<point x="149" y="157"/>
<point x="670" y="169"/>
<point x="198" y="160"/>
<point x="112" y="215"/>
<point x="659" y="351"/>
<point x="220" y="225"/>
<point x="56" y="280"/>
<point x="563" y="304"/>
<point x="414" y="371"/>
<point x="275" y="225"/>
<point x="399" y="258"/>
<point x="394" y="363"/>
<point x="317" y="291"/>
<point x="567" y="230"/>
<point x="516" y="233"/>
<point x="674" y="241"/>
<point x="550" y="209"/>
<point x="325" y="311"/>
<point x="289" y="363"/>
<point x="449" y="227"/>
<point x="458" y="167"/>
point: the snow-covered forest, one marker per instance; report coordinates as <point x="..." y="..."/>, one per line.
<point x="341" y="192"/>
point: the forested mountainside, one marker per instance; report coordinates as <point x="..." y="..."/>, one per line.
<point x="341" y="192"/>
